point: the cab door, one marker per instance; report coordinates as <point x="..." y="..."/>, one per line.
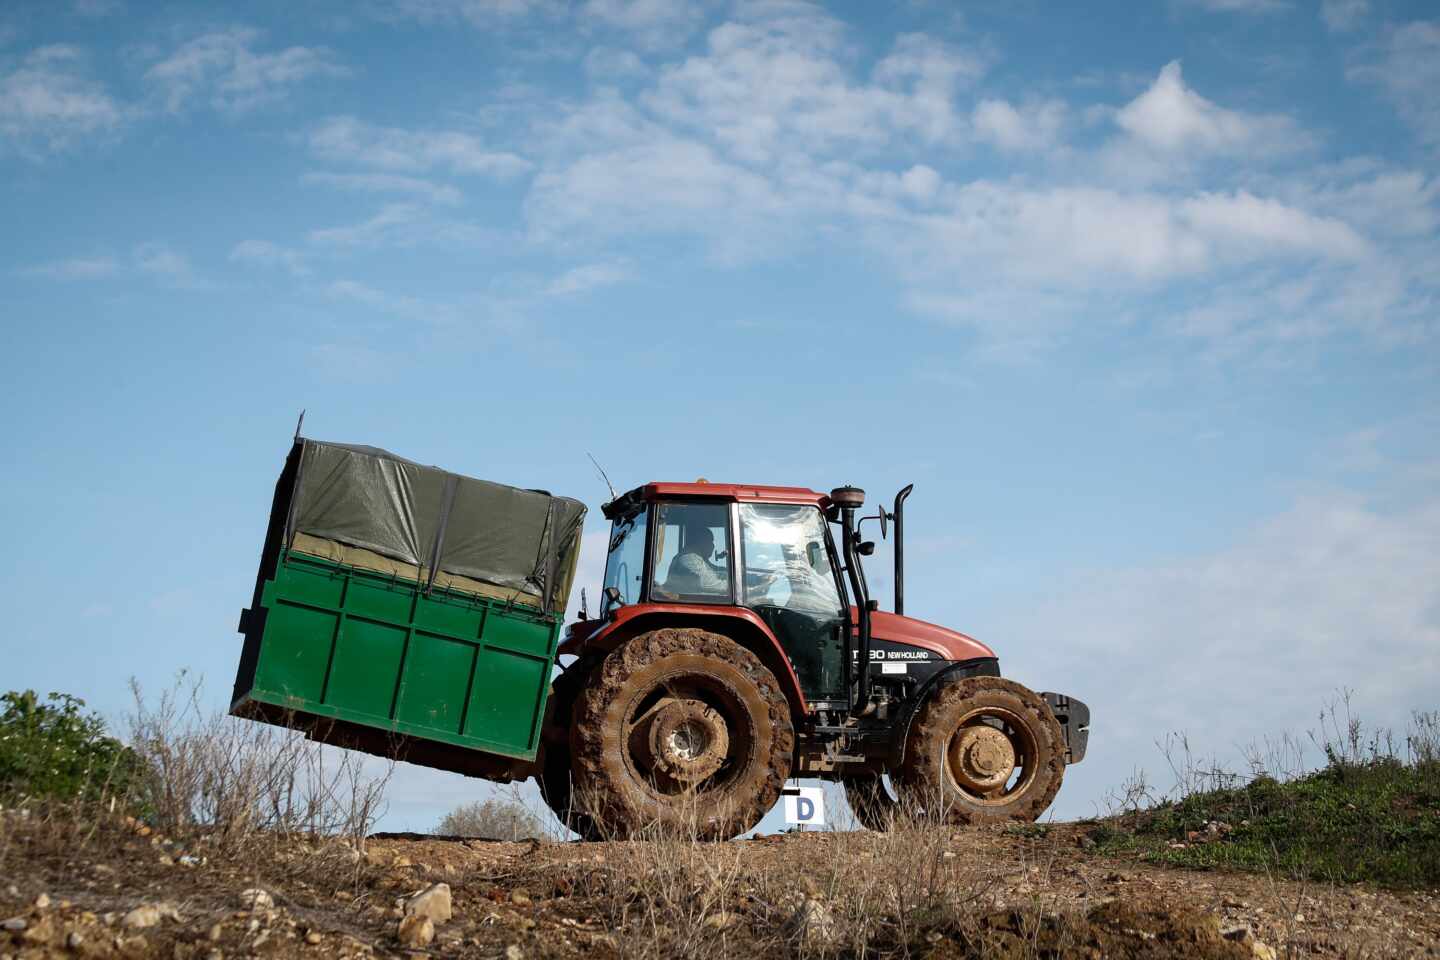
<point x="788" y="580"/>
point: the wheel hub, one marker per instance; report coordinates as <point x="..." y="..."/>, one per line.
<point x="982" y="758"/>
<point x="687" y="740"/>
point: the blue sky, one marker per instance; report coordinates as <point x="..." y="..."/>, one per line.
<point x="1143" y="299"/>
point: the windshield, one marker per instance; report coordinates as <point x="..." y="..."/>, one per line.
<point x="625" y="563"/>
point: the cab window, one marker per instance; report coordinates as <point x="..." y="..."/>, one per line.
<point x="625" y="561"/>
<point x="692" y="553"/>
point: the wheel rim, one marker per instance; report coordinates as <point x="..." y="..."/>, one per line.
<point x="686" y="734"/>
<point x="990" y="758"/>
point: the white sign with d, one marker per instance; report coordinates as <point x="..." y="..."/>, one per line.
<point x="805" y="806"/>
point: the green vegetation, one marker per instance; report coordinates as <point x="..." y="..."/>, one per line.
<point x="54" y="749"/>
<point x="1366" y="816"/>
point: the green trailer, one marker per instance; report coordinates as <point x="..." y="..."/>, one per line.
<point x="407" y="611"/>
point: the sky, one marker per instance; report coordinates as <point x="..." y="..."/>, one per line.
<point x="1143" y="298"/>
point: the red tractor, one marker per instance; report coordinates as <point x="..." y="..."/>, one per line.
<point x="736" y="646"/>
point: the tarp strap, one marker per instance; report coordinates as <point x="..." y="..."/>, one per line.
<point x="447" y="500"/>
<point x="288" y="534"/>
<point x="551" y="545"/>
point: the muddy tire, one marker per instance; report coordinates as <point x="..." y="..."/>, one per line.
<point x="555" y="778"/>
<point x="984" y="750"/>
<point x="680" y="731"/>
<point x="871" y="800"/>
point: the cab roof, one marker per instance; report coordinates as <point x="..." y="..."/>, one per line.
<point x="747" y="492"/>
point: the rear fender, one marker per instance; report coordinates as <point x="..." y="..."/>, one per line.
<point x="977" y="667"/>
<point x="739" y="624"/>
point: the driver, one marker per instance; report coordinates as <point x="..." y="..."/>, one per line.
<point x="691" y="572"/>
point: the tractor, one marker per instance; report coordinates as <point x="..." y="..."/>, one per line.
<point x="736" y="646"/>
<point x="417" y="614"/>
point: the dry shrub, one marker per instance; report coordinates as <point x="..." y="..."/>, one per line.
<point x="206" y="785"/>
<point x="492" y="819"/>
<point x="233" y="781"/>
<point x="664" y="892"/>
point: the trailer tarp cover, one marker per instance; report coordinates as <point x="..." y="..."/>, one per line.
<point x="440" y="528"/>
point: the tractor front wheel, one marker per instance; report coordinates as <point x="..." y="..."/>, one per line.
<point x="683" y="731"/>
<point x="984" y="750"/>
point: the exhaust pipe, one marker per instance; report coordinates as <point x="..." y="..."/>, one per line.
<point x="899" y="517"/>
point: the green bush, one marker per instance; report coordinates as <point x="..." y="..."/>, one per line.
<point x="55" y="749"/>
<point x="1372" y="814"/>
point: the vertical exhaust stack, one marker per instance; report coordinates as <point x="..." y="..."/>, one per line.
<point x="898" y="515"/>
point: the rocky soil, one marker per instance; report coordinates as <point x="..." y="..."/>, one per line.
<point x="119" y="891"/>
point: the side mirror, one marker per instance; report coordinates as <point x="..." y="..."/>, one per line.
<point x="865" y="548"/>
<point x="884" y="524"/>
<point x="613" y="595"/>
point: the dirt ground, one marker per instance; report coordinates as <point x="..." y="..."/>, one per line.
<point x="812" y="894"/>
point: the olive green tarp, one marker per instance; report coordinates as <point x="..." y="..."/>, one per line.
<point x="369" y="508"/>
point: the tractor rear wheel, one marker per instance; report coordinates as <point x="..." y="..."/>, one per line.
<point x="984" y="750"/>
<point x="684" y="731"/>
<point x="871" y="800"/>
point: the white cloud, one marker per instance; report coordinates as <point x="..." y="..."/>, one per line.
<point x="398" y="305"/>
<point x="1408" y="69"/>
<point x="1249" y="225"/>
<point x="356" y="363"/>
<point x="390" y="225"/>
<point x="653" y="24"/>
<point x="75" y="268"/>
<point x="667" y="186"/>
<point x="1404" y="203"/>
<point x="1033" y="126"/>
<point x="223" y="69"/>
<point x="480" y="13"/>
<point x="771" y="85"/>
<point x="267" y="254"/>
<point x="583" y="279"/>
<point x="1342" y="15"/>
<point x="96" y="9"/>
<point x="388" y="183"/>
<point x="1240" y="6"/>
<point x="774" y="138"/>
<point x="1170" y="117"/>
<point x="158" y="260"/>
<point x="1335" y="592"/>
<point x="609" y="65"/>
<point x="410" y="225"/>
<point x="391" y="148"/>
<point x="494" y="314"/>
<point x="47" y="102"/>
<point x="1267" y="319"/>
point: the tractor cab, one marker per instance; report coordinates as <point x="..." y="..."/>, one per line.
<point x="763" y="553"/>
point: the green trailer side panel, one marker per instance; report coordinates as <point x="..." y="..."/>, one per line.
<point x="352" y="645"/>
<point x="297" y="671"/>
<point x="437" y="679"/>
<point x="508" y="699"/>
<point x="367" y="660"/>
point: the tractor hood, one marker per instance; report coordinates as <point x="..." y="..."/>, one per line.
<point x="949" y="644"/>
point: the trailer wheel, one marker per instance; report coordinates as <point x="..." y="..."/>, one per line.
<point x="984" y="750"/>
<point x="682" y="731"/>
<point x="871" y="800"/>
